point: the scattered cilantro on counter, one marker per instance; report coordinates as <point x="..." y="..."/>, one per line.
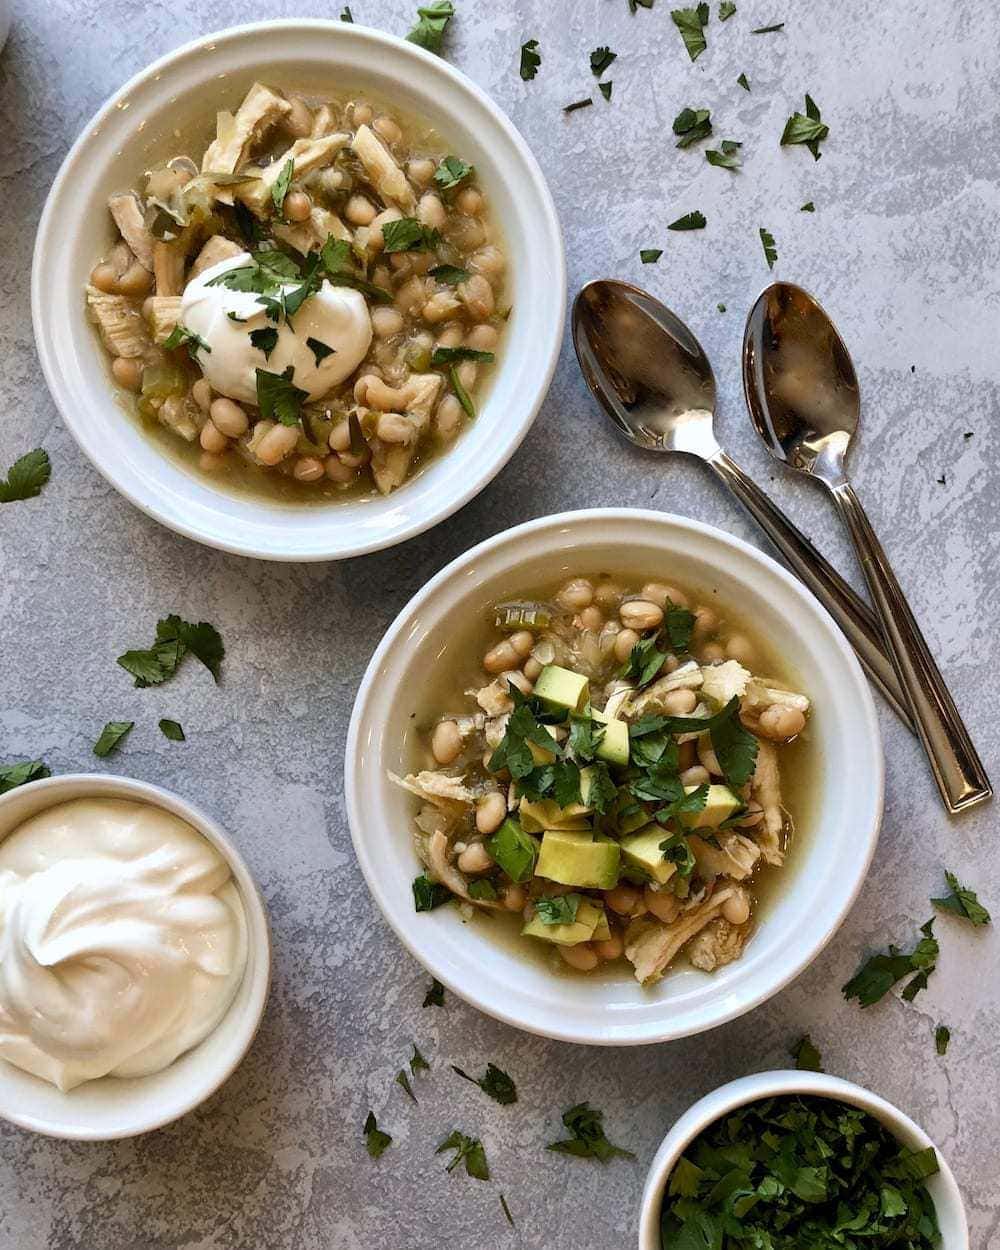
<point x="942" y="1036"/>
<point x="743" y="82"/>
<point x="806" y="128"/>
<point x="347" y="16"/>
<point x="726" y="10"/>
<point x="26" y="477"/>
<point x="14" y="775"/>
<point x="435" y="995"/>
<point x="650" y="255"/>
<point x="692" y="125"/>
<point x="278" y="398"/>
<point x="530" y="59"/>
<point x="600" y="59"/>
<point x="635" y="5"/>
<point x="112" y="735"/>
<point x="961" y="901"/>
<point x="469" y="1149"/>
<point x="418" y="1063"/>
<point x="174" y="640"/>
<point x="808" y="207"/>
<point x="605" y="89"/>
<point x="494" y="1082"/>
<point x="768" y="30"/>
<point x="432" y="22"/>
<point x="878" y="974"/>
<point x="767" y="243"/>
<point x="173" y="730"/>
<point x="726" y="156"/>
<point x="791" y="1172"/>
<point x="577" y="104"/>
<point x="503" y="1201"/>
<point x="691" y="25"/>
<point x="376" y="1142"/>
<point x="587" y="1139"/>
<point x="721" y="307"/>
<point x="807" y="1057"/>
<point x="403" y="1081"/>
<point x="690" y="221"/>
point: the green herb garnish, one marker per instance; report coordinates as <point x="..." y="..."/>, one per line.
<point x="650" y="255"/>
<point x="726" y="155"/>
<point x="265" y="340"/>
<point x="278" y="397"/>
<point x="767" y="30"/>
<point x="281" y="184"/>
<point x="407" y="234"/>
<point x="806" y="128"/>
<point x="878" y="974"/>
<point x="690" y="221"/>
<point x="635" y="5"/>
<point x="469" y="1149"/>
<point x="942" y="1036"/>
<point x="418" y="1063"/>
<point x="961" y="901"/>
<point x="452" y="172"/>
<point x="503" y="1201"/>
<point x="605" y="89"/>
<point x="743" y="82"/>
<point x="767" y="243"/>
<point x="726" y="10"/>
<point x="807" y="1057"/>
<point x="808" y="207"/>
<point x="483" y="890"/>
<point x="530" y="59"/>
<point x="181" y="335"/>
<point x="691" y="24"/>
<point x="14" y="775"/>
<point x="172" y="729"/>
<point x="452" y="355"/>
<point x="600" y="59"/>
<point x="320" y="350"/>
<point x="494" y="1082"/>
<point x="587" y="1139"/>
<point x="514" y="850"/>
<point x="461" y="394"/>
<point x="450" y="274"/>
<point x="403" y="1081"/>
<point x="428" y="894"/>
<point x="376" y="1142"/>
<point x="26" y="477"/>
<point x="337" y="260"/>
<point x="174" y="640"/>
<point x="112" y="735"/>
<point x="559" y="909"/>
<point x="692" y="125"/>
<point x="578" y="104"/>
<point x="432" y="22"/>
<point x="435" y="995"/>
<point x="347" y="16"/>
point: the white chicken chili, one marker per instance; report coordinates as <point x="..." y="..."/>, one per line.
<point x="613" y="778"/>
<point x="311" y="307"/>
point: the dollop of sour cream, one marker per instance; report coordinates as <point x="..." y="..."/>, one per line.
<point x="336" y="316"/>
<point x="123" y="941"/>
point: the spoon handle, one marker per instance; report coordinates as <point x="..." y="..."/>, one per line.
<point x="851" y="613"/>
<point x="958" y="770"/>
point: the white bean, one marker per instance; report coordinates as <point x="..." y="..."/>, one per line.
<point x="446" y="742"/>
<point x="491" y="811"/>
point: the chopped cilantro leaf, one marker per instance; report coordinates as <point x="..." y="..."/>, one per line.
<point x="403" y="1081"/>
<point x="692" y="125"/>
<point x="530" y="59"/>
<point x="26" y="477"/>
<point x="174" y="639"/>
<point x="679" y="622"/>
<point x="452" y="355"/>
<point x="808" y="207"/>
<point x="407" y="234"/>
<point x="721" y="307"/>
<point x="961" y="901"/>
<point x="878" y="974"/>
<point x="435" y="995"/>
<point x="677" y="851"/>
<point x="587" y="1139"/>
<point x="691" y="25"/>
<point x="559" y="909"/>
<point x="942" y="1036"/>
<point x="506" y="1210"/>
<point x="320" y="350"/>
<point x="278" y="397"/>
<point x="112" y="735"/>
<point x="347" y="16"/>
<point x="452" y="275"/>
<point x="767" y="243"/>
<point x="172" y="729"/>
<point x="650" y="255"/>
<point x="338" y="261"/>
<point x="418" y="1063"/>
<point x="690" y="221"/>
<point x="432" y="22"/>
<point x="14" y="775"/>
<point x="428" y="894"/>
<point x="743" y="82"/>
<point x="469" y="1149"/>
<point x="182" y="335"/>
<point x="281" y="184"/>
<point x="807" y="1057"/>
<point x="376" y="1142"/>
<point x="726" y="10"/>
<point x="806" y="128"/>
<point x="461" y="394"/>
<point x="483" y="889"/>
<point x="578" y="104"/>
<point x="452" y="172"/>
<point x="726" y="155"/>
<point x="494" y="1082"/>
<point x="605" y="89"/>
<point x="264" y="340"/>
<point x="635" y="5"/>
<point x="767" y="30"/>
<point x="600" y="59"/>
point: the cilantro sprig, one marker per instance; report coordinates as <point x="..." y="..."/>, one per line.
<point x="431" y="25"/>
<point x="467" y="1150"/>
<point x="587" y="1138"/>
<point x="14" y="775"/>
<point x="175" y="638"/>
<point x="880" y="972"/>
<point x="26" y="477"/>
<point x="494" y="1082"/>
<point x="963" y="902"/>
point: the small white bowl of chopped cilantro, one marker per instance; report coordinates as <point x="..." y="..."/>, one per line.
<point x="795" y="1159"/>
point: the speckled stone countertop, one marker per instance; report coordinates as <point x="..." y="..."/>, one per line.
<point x="904" y="251"/>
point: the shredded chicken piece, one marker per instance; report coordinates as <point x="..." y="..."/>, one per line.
<point x="305" y="155"/>
<point x="723" y="682"/>
<point x="122" y="328"/>
<point x="217" y="248"/>
<point x="168" y="267"/>
<point x="260" y="110"/>
<point x="759" y="695"/>
<point x="496" y="727"/>
<point x="386" y="175"/>
<point x="131" y="224"/>
<point x="687" y="677"/>
<point x="766" y="789"/>
<point x="310" y="235"/>
<point x="437" y="788"/>
<point x="391" y="461"/>
<point x="494" y="699"/>
<point x="736" y="856"/>
<point x="651" y="946"/>
<point x="447" y="874"/>
<point x="718" y="943"/>
<point x="162" y="312"/>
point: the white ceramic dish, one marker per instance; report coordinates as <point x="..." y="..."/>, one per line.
<point x="825" y="871"/>
<point x="112" y="1107"/>
<point x="190" y="84"/>
<point x="943" y="1187"/>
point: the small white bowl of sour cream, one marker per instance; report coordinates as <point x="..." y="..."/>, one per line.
<point x="188" y="943"/>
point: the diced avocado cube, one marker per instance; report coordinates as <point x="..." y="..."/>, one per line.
<point x="632" y="821"/>
<point x="514" y="850"/>
<point x="573" y="858"/>
<point x="588" y="919"/>
<point x="561" y="688"/>
<point x="539" y="754"/>
<point x="720" y="806"/>
<point x="614" y="748"/>
<point x="540" y="814"/>
<point x="642" y="850"/>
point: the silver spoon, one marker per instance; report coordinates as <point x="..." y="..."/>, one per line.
<point x="803" y="397"/>
<point x="655" y="382"/>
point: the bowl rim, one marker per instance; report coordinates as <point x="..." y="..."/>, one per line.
<point x="398" y="634"/>
<point x="747" y="1089"/>
<point x="111" y="785"/>
<point x="468" y="484"/>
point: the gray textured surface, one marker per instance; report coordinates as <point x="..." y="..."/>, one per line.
<point x="903" y="249"/>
